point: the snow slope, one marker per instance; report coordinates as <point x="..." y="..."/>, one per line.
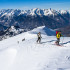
<point x="28" y="55"/>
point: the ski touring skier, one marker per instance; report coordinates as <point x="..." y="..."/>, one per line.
<point x="39" y="37"/>
<point x="58" y="35"/>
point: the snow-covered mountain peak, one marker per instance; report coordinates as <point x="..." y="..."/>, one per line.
<point x="32" y="12"/>
<point x="44" y="30"/>
<point x="50" y="12"/>
<point x="36" y="11"/>
<point x="69" y="11"/>
<point x="63" y="11"/>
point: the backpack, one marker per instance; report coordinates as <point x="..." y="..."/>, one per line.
<point x="39" y="35"/>
<point x="57" y="32"/>
<point x="58" y="35"/>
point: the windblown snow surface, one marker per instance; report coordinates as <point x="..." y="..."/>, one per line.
<point x="28" y="55"/>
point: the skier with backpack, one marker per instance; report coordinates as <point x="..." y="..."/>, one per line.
<point x="58" y="35"/>
<point x="39" y="37"/>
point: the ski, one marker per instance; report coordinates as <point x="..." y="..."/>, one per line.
<point x="58" y="45"/>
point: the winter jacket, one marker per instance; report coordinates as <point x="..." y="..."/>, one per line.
<point x="39" y="35"/>
<point x="58" y="35"/>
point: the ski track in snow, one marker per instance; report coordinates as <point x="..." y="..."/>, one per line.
<point x="29" y="55"/>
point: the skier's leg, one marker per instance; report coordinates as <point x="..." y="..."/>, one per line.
<point x="37" y="39"/>
<point x="40" y="40"/>
<point x="58" y="41"/>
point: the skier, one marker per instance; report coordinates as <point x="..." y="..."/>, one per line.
<point x="39" y="37"/>
<point x="58" y="35"/>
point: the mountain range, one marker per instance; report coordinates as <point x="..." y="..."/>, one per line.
<point x="30" y="19"/>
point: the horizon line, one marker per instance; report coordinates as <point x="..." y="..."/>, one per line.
<point x="30" y="8"/>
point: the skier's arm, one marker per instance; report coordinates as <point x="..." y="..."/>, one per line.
<point x="61" y="35"/>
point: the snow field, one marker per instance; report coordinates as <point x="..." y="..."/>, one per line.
<point x="29" y="55"/>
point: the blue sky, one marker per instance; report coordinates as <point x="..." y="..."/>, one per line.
<point x="29" y="4"/>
